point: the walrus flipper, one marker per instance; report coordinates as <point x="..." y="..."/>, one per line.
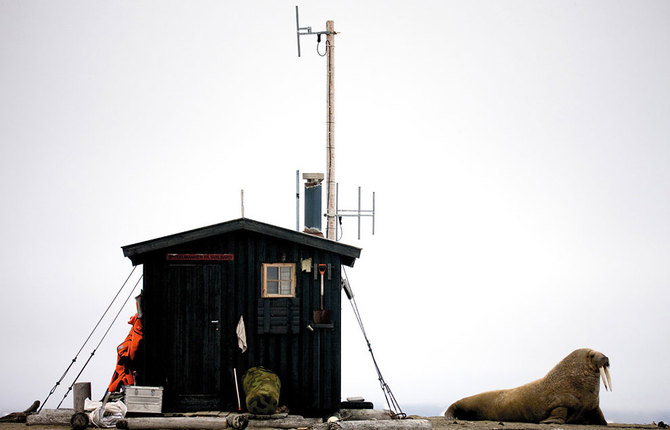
<point x="557" y="416"/>
<point x="594" y="417"/>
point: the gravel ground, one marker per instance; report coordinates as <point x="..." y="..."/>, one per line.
<point x="438" y="423"/>
<point x="442" y="423"/>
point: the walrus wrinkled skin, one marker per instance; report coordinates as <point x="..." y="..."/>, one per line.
<point x="568" y="394"/>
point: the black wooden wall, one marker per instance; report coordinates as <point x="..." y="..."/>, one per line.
<point x="193" y="357"/>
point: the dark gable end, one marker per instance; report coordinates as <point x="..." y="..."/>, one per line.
<point x="138" y="252"/>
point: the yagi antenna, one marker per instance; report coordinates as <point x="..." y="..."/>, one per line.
<point x="358" y="213"/>
<point x="304" y="31"/>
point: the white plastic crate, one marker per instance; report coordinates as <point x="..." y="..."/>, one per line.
<point x="147" y="400"/>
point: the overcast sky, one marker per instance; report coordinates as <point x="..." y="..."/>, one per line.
<point x="519" y="152"/>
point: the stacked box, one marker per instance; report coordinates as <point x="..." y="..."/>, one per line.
<point x="148" y="400"/>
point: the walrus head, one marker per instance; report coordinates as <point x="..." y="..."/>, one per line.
<point x="582" y="365"/>
<point x="602" y="363"/>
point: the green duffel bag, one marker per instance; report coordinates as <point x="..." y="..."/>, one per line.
<point x="261" y="388"/>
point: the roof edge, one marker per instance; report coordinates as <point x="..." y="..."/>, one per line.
<point x="137" y="250"/>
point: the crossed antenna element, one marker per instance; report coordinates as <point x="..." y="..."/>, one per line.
<point x="304" y="31"/>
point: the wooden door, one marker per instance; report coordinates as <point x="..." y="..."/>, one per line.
<point x="196" y="330"/>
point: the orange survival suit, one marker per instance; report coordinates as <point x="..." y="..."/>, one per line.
<point x="123" y="374"/>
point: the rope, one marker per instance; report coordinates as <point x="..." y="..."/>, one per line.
<point x="391" y="402"/>
<point x="101" y="339"/>
<point x="87" y="339"/>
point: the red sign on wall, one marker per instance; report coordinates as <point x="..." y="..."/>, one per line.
<point x="200" y="257"/>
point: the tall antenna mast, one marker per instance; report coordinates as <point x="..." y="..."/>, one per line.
<point x="330" y="163"/>
<point x="330" y="136"/>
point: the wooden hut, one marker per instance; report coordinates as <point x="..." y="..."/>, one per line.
<point x="197" y="286"/>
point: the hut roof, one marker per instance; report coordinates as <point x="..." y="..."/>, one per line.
<point x="137" y="251"/>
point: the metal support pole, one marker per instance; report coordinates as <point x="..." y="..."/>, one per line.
<point x="373" y="213"/>
<point x="359" y="213"/>
<point x="337" y="209"/>
<point x="297" y="200"/>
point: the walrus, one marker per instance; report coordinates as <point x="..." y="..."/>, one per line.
<point x="568" y="394"/>
<point x="20" y="417"/>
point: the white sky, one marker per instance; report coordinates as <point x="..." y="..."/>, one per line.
<point x="518" y="150"/>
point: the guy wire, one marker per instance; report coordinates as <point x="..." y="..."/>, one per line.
<point x="99" y="343"/>
<point x="87" y="339"/>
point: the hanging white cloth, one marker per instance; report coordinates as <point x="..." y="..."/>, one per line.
<point x="241" y="335"/>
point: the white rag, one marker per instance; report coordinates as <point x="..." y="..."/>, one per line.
<point x="241" y="335"/>
<point x="105" y="415"/>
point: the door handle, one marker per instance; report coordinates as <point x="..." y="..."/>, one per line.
<point x="216" y="322"/>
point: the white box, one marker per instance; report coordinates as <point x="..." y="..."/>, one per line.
<point x="147" y="400"/>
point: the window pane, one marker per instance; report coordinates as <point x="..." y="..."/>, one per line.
<point x="285" y="287"/>
<point x="272" y="287"/>
<point x="286" y="273"/>
<point x="272" y="273"/>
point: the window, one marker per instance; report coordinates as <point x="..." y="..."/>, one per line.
<point x="278" y="280"/>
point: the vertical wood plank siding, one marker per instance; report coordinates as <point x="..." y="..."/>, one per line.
<point x="186" y="354"/>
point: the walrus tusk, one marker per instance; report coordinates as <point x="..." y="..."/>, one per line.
<point x="602" y="376"/>
<point x="605" y="376"/>
<point x="609" y="380"/>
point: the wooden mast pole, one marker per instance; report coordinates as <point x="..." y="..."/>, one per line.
<point x="330" y="161"/>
